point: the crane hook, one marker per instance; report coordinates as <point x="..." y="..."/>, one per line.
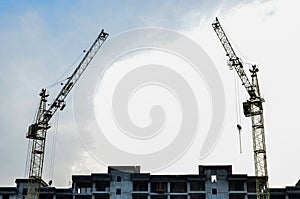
<point x="239" y="127"/>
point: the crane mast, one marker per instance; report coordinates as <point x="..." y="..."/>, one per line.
<point x="252" y="108"/>
<point x="38" y="130"/>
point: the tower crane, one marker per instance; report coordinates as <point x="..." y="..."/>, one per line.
<point x="252" y="108"/>
<point x="38" y="130"/>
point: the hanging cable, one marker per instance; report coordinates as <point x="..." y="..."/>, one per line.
<point x="54" y="84"/>
<point x="29" y="145"/>
<point x="51" y="170"/>
<point x="76" y="60"/>
<point x="238" y="109"/>
<point x="239" y="127"/>
<point x="59" y="79"/>
<point x="232" y="43"/>
<point x="35" y="114"/>
<point x="237" y="99"/>
<point x="27" y="158"/>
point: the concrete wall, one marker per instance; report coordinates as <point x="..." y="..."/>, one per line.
<point x="216" y="185"/>
<point x="216" y="178"/>
<point x="125" y="185"/>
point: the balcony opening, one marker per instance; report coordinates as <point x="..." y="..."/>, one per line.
<point x="178" y="187"/>
<point x="102" y="186"/>
<point x="140" y="185"/>
<point x="197" y="186"/>
<point x="236" y="185"/>
<point x="251" y="186"/>
<point x="101" y="196"/>
<point x="236" y="196"/>
<point x="278" y="197"/>
<point x="84" y="190"/>
<point x="45" y="196"/>
<point x="197" y="196"/>
<point x="159" y="197"/>
<point x="159" y="187"/>
<point x="83" y="197"/>
<point x="178" y="197"/>
<point x="64" y="196"/>
<point x="139" y="196"/>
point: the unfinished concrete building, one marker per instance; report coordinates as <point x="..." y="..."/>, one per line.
<point x="126" y="182"/>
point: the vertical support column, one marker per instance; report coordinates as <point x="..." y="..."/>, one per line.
<point x="286" y="196"/>
<point x="188" y="189"/>
<point x="168" y="189"/>
<point x="92" y="190"/>
<point x="259" y="144"/>
<point x="93" y="187"/>
<point x="245" y="188"/>
<point x="74" y="190"/>
<point x="149" y="189"/>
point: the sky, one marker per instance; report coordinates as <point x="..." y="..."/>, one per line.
<point x="41" y="39"/>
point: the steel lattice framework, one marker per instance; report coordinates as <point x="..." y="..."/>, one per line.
<point x="252" y="108"/>
<point x="38" y="130"/>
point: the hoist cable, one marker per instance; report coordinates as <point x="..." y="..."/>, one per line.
<point x="51" y="170"/>
<point x="238" y="109"/>
<point x="27" y="158"/>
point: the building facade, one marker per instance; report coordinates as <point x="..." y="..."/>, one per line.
<point x="126" y="182"/>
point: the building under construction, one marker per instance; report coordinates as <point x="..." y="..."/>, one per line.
<point x="126" y="182"/>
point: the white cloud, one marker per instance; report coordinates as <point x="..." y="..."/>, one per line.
<point x="264" y="32"/>
<point x="267" y="34"/>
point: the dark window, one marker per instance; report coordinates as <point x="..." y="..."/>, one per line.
<point x="118" y="178"/>
<point x="101" y="196"/>
<point x="251" y="187"/>
<point x="197" y="186"/>
<point x="159" y="197"/>
<point x="140" y="196"/>
<point x="178" y="187"/>
<point x="24" y="192"/>
<point x="197" y="196"/>
<point x="179" y="197"/>
<point x="236" y="185"/>
<point x="236" y="196"/>
<point x="45" y="196"/>
<point x="102" y="185"/>
<point x="158" y="187"/>
<point x="294" y="196"/>
<point x="278" y="197"/>
<point x="83" y="197"/>
<point x="118" y="191"/>
<point x="214" y="191"/>
<point x="140" y="186"/>
<point x="5" y="196"/>
<point x="64" y="196"/>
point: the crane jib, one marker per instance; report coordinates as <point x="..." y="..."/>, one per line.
<point x="38" y="130"/>
<point x="59" y="100"/>
<point x="252" y="108"/>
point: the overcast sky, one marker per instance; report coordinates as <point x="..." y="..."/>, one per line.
<point x="39" y="40"/>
